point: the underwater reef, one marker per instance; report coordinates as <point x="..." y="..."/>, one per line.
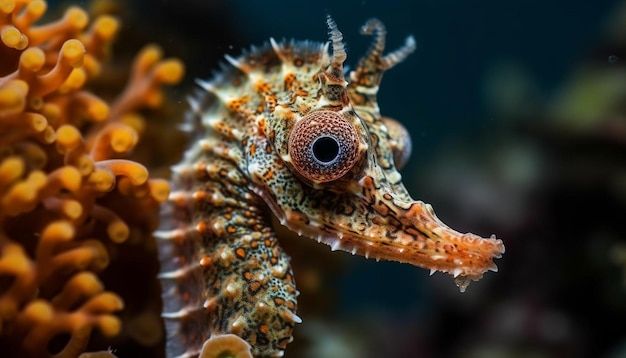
<point x="72" y="206"/>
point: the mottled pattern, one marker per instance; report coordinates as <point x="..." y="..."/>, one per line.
<point x="281" y="131"/>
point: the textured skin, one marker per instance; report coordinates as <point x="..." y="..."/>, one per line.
<point x="281" y="131"/>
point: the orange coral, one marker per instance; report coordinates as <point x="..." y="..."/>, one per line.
<point x="61" y="150"/>
<point x="225" y="346"/>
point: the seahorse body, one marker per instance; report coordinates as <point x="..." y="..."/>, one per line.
<point x="281" y="131"/>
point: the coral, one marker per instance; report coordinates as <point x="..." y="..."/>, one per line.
<point x="225" y="346"/>
<point x="67" y="195"/>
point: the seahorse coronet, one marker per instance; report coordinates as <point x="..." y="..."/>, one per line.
<point x="255" y="127"/>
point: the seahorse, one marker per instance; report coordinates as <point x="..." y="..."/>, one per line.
<point x="281" y="131"/>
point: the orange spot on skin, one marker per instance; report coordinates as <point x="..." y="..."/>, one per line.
<point x="296" y="216"/>
<point x="200" y="167"/>
<point x="236" y="104"/>
<point x="289" y="278"/>
<point x="252" y="149"/>
<point x="304" y="109"/>
<point x="255" y="286"/>
<point x="200" y="196"/>
<point x="241" y="253"/>
<point x="382" y="209"/>
<point x="263" y="87"/>
<point x="206" y="261"/>
<point x="368" y="182"/>
<point x="231" y="229"/>
<point x="247" y="275"/>
<point x="201" y="227"/>
<point x="264" y="329"/>
<point x="211" y="304"/>
<point x="262" y="125"/>
<point x="289" y="80"/>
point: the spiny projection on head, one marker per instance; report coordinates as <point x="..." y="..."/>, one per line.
<point x="283" y="129"/>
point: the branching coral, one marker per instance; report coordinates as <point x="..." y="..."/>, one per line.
<point x="62" y="175"/>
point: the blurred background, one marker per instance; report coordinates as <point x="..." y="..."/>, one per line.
<point x="517" y="111"/>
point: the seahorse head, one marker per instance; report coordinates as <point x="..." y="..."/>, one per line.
<point x="329" y="168"/>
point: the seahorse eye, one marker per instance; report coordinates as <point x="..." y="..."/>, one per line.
<point x="323" y="146"/>
<point x="400" y="141"/>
